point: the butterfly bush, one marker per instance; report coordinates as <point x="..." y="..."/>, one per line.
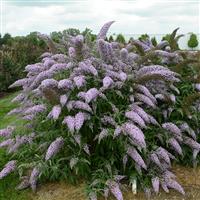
<point x="100" y="111"/>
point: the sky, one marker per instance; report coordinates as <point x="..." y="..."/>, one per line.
<point x="20" y="17"/>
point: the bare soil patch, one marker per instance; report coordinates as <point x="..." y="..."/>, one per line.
<point x="188" y="177"/>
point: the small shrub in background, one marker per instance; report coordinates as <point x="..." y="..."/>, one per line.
<point x="101" y="113"/>
<point x="193" y="42"/>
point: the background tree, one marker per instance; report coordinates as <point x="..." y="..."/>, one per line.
<point x="193" y="42"/>
<point x="111" y="39"/>
<point x="154" y="41"/>
<point x="120" y="38"/>
<point x="144" y="37"/>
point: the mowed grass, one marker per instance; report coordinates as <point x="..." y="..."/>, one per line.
<point x="8" y="184"/>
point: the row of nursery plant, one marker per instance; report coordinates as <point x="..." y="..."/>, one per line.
<point x="108" y="113"/>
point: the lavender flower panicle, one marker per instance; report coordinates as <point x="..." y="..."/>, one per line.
<point x="191" y="143"/>
<point x="7" y="143"/>
<point x="117" y="131"/>
<point x="173" y="129"/>
<point x="103" y="134"/>
<point x="175" y="145"/>
<point x="54" y="148"/>
<point x="104" y="30"/>
<point x="63" y="99"/>
<point x="115" y="190"/>
<point x="8" y="168"/>
<point x="79" y="120"/>
<point x="173" y="184"/>
<point x="7" y="132"/>
<point x="82" y="106"/>
<point x="132" y="152"/>
<point x="65" y="84"/>
<point x="140" y="112"/>
<point x="146" y="100"/>
<point x="135" y="133"/>
<point x="36" y="109"/>
<point x="155" y="183"/>
<point x="107" y="82"/>
<point x="55" y="112"/>
<point x="135" y="118"/>
<point x="34" y="178"/>
<point x="70" y="122"/>
<point x="79" y="81"/>
<point x="91" y="95"/>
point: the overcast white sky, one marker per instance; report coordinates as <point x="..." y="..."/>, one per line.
<point x="19" y="17"/>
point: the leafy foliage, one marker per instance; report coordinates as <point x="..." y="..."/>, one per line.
<point x="173" y="39"/>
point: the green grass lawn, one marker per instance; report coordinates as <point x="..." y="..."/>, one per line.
<point x="8" y="184"/>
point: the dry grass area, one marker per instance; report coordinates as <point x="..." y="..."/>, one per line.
<point x="188" y="177"/>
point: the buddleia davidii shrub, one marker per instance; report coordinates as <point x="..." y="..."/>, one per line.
<point x="94" y="114"/>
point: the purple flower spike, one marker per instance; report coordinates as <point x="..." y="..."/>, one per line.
<point x="79" y="120"/>
<point x="63" y="100"/>
<point x="191" y="143"/>
<point x="72" y="52"/>
<point x="36" y="109"/>
<point x="117" y="131"/>
<point x="79" y="81"/>
<point x="154" y="158"/>
<point x="56" y="110"/>
<point x="70" y="121"/>
<point x="122" y="76"/>
<point x="146" y="100"/>
<point x="175" y="145"/>
<point x="81" y="105"/>
<point x="176" y="186"/>
<point x="155" y="183"/>
<point x="91" y="95"/>
<point x="103" y="134"/>
<point x="135" y="118"/>
<point x="88" y="68"/>
<point x="104" y="30"/>
<point x="8" y="168"/>
<point x="54" y="148"/>
<point x="115" y="190"/>
<point x="135" y="133"/>
<point x="132" y="152"/>
<point x="107" y="82"/>
<point x="7" y="143"/>
<point x="173" y="129"/>
<point x="34" y="178"/>
<point x="7" y="132"/>
<point x="65" y="84"/>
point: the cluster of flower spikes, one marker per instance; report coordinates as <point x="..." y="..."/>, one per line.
<point x="74" y="89"/>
